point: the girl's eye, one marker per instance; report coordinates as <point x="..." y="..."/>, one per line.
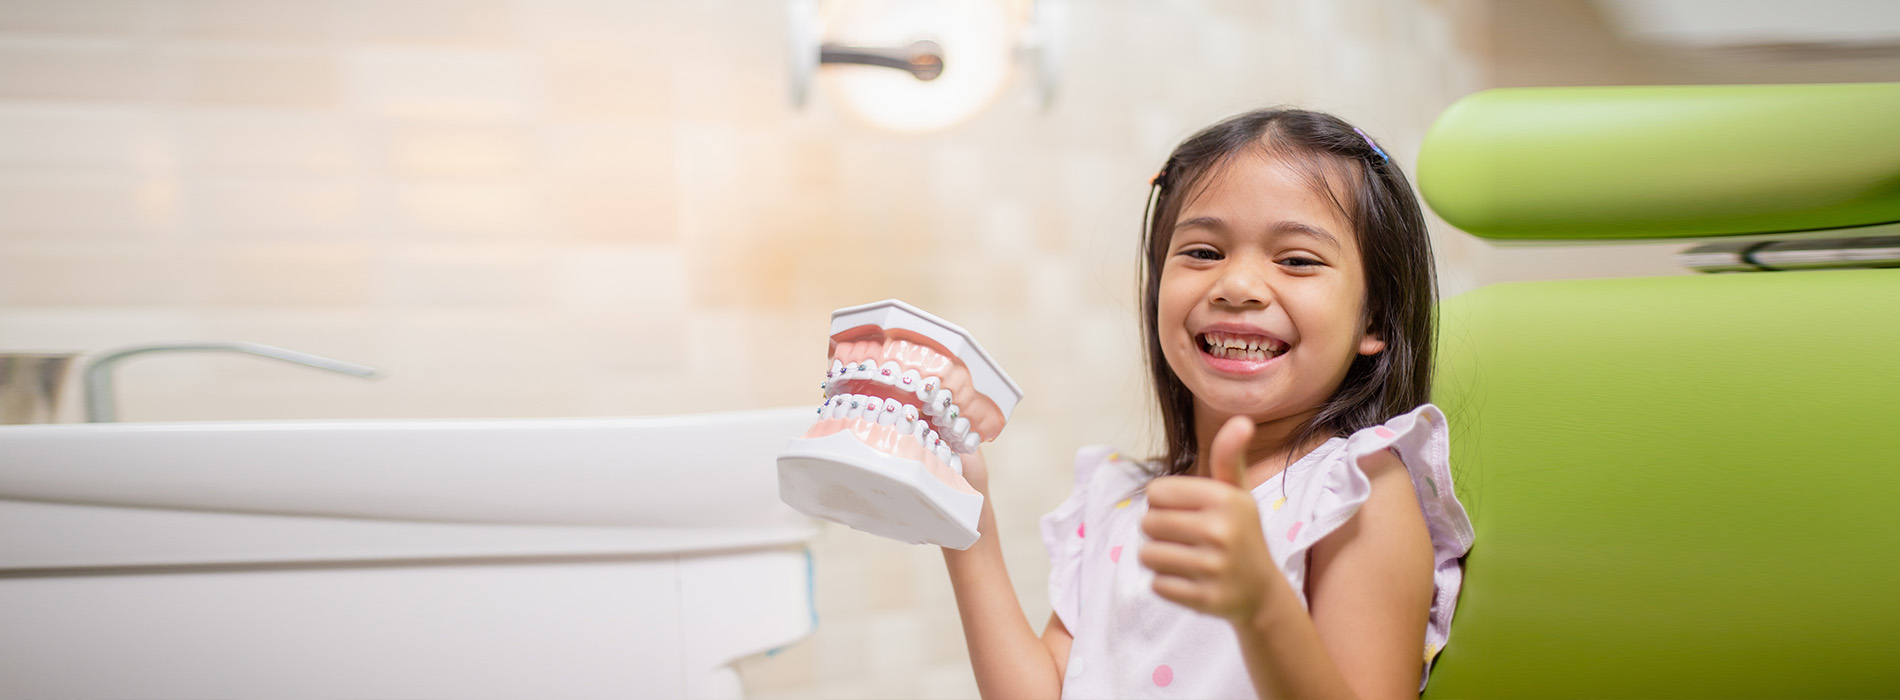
<point x="1202" y="253"/>
<point x="1297" y="261"/>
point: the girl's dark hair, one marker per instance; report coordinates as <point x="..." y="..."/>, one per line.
<point x="1376" y="199"/>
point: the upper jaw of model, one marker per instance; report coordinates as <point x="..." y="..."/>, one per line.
<point x="896" y="381"/>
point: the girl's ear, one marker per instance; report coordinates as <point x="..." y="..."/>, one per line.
<point x="1371" y="343"/>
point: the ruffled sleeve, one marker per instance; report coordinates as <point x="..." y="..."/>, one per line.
<point x="1061" y="530"/>
<point x="1422" y="441"/>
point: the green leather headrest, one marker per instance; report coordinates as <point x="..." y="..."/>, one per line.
<point x="1665" y="162"/>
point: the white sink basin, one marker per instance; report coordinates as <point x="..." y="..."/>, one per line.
<point x="715" y="470"/>
<point x="524" y="557"/>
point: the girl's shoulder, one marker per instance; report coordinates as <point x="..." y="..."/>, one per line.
<point x="1421" y="440"/>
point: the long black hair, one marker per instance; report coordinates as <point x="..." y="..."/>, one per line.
<point x="1376" y="199"/>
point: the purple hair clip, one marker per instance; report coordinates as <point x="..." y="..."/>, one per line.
<point x="1375" y="147"/>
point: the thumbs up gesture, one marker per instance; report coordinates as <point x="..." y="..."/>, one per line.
<point x="1206" y="546"/>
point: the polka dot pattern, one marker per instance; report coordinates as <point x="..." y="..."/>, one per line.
<point x="1163" y="675"/>
<point x="1294" y="531"/>
<point x="1281" y="501"/>
<point x="1082" y="530"/>
<point x="1124" y="503"/>
<point x="1384" y="432"/>
<point x="1115" y="554"/>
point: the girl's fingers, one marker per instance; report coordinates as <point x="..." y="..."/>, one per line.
<point x="1183" y="526"/>
<point x="1227" y="457"/>
<point x="1167" y="558"/>
<point x="1184" y="492"/>
<point x="1180" y="590"/>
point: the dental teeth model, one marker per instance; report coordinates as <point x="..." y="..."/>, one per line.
<point x="906" y="396"/>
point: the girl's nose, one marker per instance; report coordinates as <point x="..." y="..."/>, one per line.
<point x="1241" y="287"/>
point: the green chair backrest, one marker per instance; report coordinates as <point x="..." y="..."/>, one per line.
<point x="1681" y="486"/>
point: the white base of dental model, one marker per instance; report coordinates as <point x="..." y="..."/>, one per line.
<point x="883" y="456"/>
<point x="837" y="478"/>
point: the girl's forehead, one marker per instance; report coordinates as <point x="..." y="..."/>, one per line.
<point x="1255" y="190"/>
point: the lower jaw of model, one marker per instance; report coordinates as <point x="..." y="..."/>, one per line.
<point x="906" y="396"/>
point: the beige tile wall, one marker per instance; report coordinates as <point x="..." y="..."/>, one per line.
<point x="608" y="207"/>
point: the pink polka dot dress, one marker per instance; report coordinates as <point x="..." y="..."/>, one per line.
<point x="1131" y="643"/>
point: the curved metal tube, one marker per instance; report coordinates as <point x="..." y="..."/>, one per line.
<point x="923" y="59"/>
<point x="98" y="375"/>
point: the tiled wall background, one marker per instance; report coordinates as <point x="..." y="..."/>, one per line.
<point x="608" y="207"/>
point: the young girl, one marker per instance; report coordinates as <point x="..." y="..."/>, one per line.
<point x="1300" y="538"/>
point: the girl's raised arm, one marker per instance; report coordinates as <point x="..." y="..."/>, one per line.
<point x="1370" y="590"/>
<point x="1009" y="660"/>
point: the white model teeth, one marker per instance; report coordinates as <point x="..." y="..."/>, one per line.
<point x="936" y="421"/>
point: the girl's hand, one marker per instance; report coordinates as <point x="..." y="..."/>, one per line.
<point x="976" y="472"/>
<point x="1207" y="550"/>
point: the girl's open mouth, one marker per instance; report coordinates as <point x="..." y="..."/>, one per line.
<point x="1238" y="353"/>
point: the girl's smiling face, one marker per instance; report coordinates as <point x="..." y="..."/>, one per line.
<point x="1262" y="293"/>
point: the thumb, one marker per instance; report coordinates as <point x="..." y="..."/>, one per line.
<point x="1228" y="454"/>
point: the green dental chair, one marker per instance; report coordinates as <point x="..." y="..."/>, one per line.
<point x="1682" y="486"/>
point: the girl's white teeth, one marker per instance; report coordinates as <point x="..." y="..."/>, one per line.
<point x="1240" y="347"/>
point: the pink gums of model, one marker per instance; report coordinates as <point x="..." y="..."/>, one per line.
<point x="901" y="407"/>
